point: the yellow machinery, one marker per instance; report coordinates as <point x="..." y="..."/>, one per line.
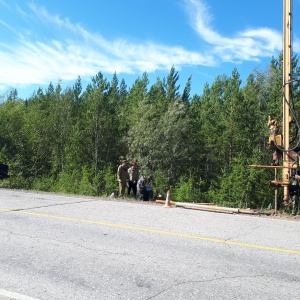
<point x="279" y="142"/>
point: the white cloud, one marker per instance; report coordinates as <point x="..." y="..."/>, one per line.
<point x="74" y="52"/>
<point x="248" y="45"/>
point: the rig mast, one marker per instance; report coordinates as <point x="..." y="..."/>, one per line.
<point x="287" y="78"/>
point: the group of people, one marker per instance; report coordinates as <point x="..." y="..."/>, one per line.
<point x="130" y="179"/>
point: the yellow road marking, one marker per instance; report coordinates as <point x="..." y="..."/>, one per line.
<point x="215" y="240"/>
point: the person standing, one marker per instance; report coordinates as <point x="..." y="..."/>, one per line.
<point x="123" y="177"/>
<point x="134" y="175"/>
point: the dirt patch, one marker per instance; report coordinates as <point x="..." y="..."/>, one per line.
<point x="281" y="216"/>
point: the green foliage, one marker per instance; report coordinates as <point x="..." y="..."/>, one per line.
<point x="232" y="191"/>
<point x="185" y="192"/>
<point x="242" y="186"/>
<point x="67" y="183"/>
<point x="86" y="186"/>
<point x="161" y="183"/>
<point x="199" y="146"/>
<point x="108" y="183"/>
<point x="44" y="184"/>
<point x="3" y="154"/>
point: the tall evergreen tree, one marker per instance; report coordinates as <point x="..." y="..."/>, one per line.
<point x="171" y="85"/>
<point x="233" y="112"/>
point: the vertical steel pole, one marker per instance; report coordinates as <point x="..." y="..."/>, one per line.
<point x="287" y="61"/>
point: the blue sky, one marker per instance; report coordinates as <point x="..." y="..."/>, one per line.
<point x="45" y="41"/>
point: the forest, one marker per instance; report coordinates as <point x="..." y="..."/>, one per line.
<point x="200" y="146"/>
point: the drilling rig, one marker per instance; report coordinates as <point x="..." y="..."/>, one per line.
<point x="281" y="142"/>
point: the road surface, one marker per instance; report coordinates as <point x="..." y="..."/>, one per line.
<point x="67" y="247"/>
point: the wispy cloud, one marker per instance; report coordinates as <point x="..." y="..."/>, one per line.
<point x="3" y="3"/>
<point x="32" y="57"/>
<point x="249" y="45"/>
<point x="74" y="51"/>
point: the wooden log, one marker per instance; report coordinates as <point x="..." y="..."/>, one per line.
<point x="211" y="208"/>
<point x="164" y="201"/>
<point x="271" y="167"/>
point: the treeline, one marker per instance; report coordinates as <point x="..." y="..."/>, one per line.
<point x="201" y="146"/>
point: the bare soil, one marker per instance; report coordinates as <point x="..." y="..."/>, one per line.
<point x="281" y="216"/>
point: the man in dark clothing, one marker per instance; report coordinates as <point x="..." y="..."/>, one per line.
<point x="134" y="175"/>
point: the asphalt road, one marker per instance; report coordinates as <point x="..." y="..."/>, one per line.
<point x="65" y="247"/>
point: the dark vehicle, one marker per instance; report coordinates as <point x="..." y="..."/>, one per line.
<point x="3" y="171"/>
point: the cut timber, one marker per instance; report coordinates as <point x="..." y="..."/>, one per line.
<point x="210" y="207"/>
<point x="174" y="203"/>
<point x="247" y="211"/>
<point x="164" y="201"/>
<point x="278" y="183"/>
<point x="271" y="167"/>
